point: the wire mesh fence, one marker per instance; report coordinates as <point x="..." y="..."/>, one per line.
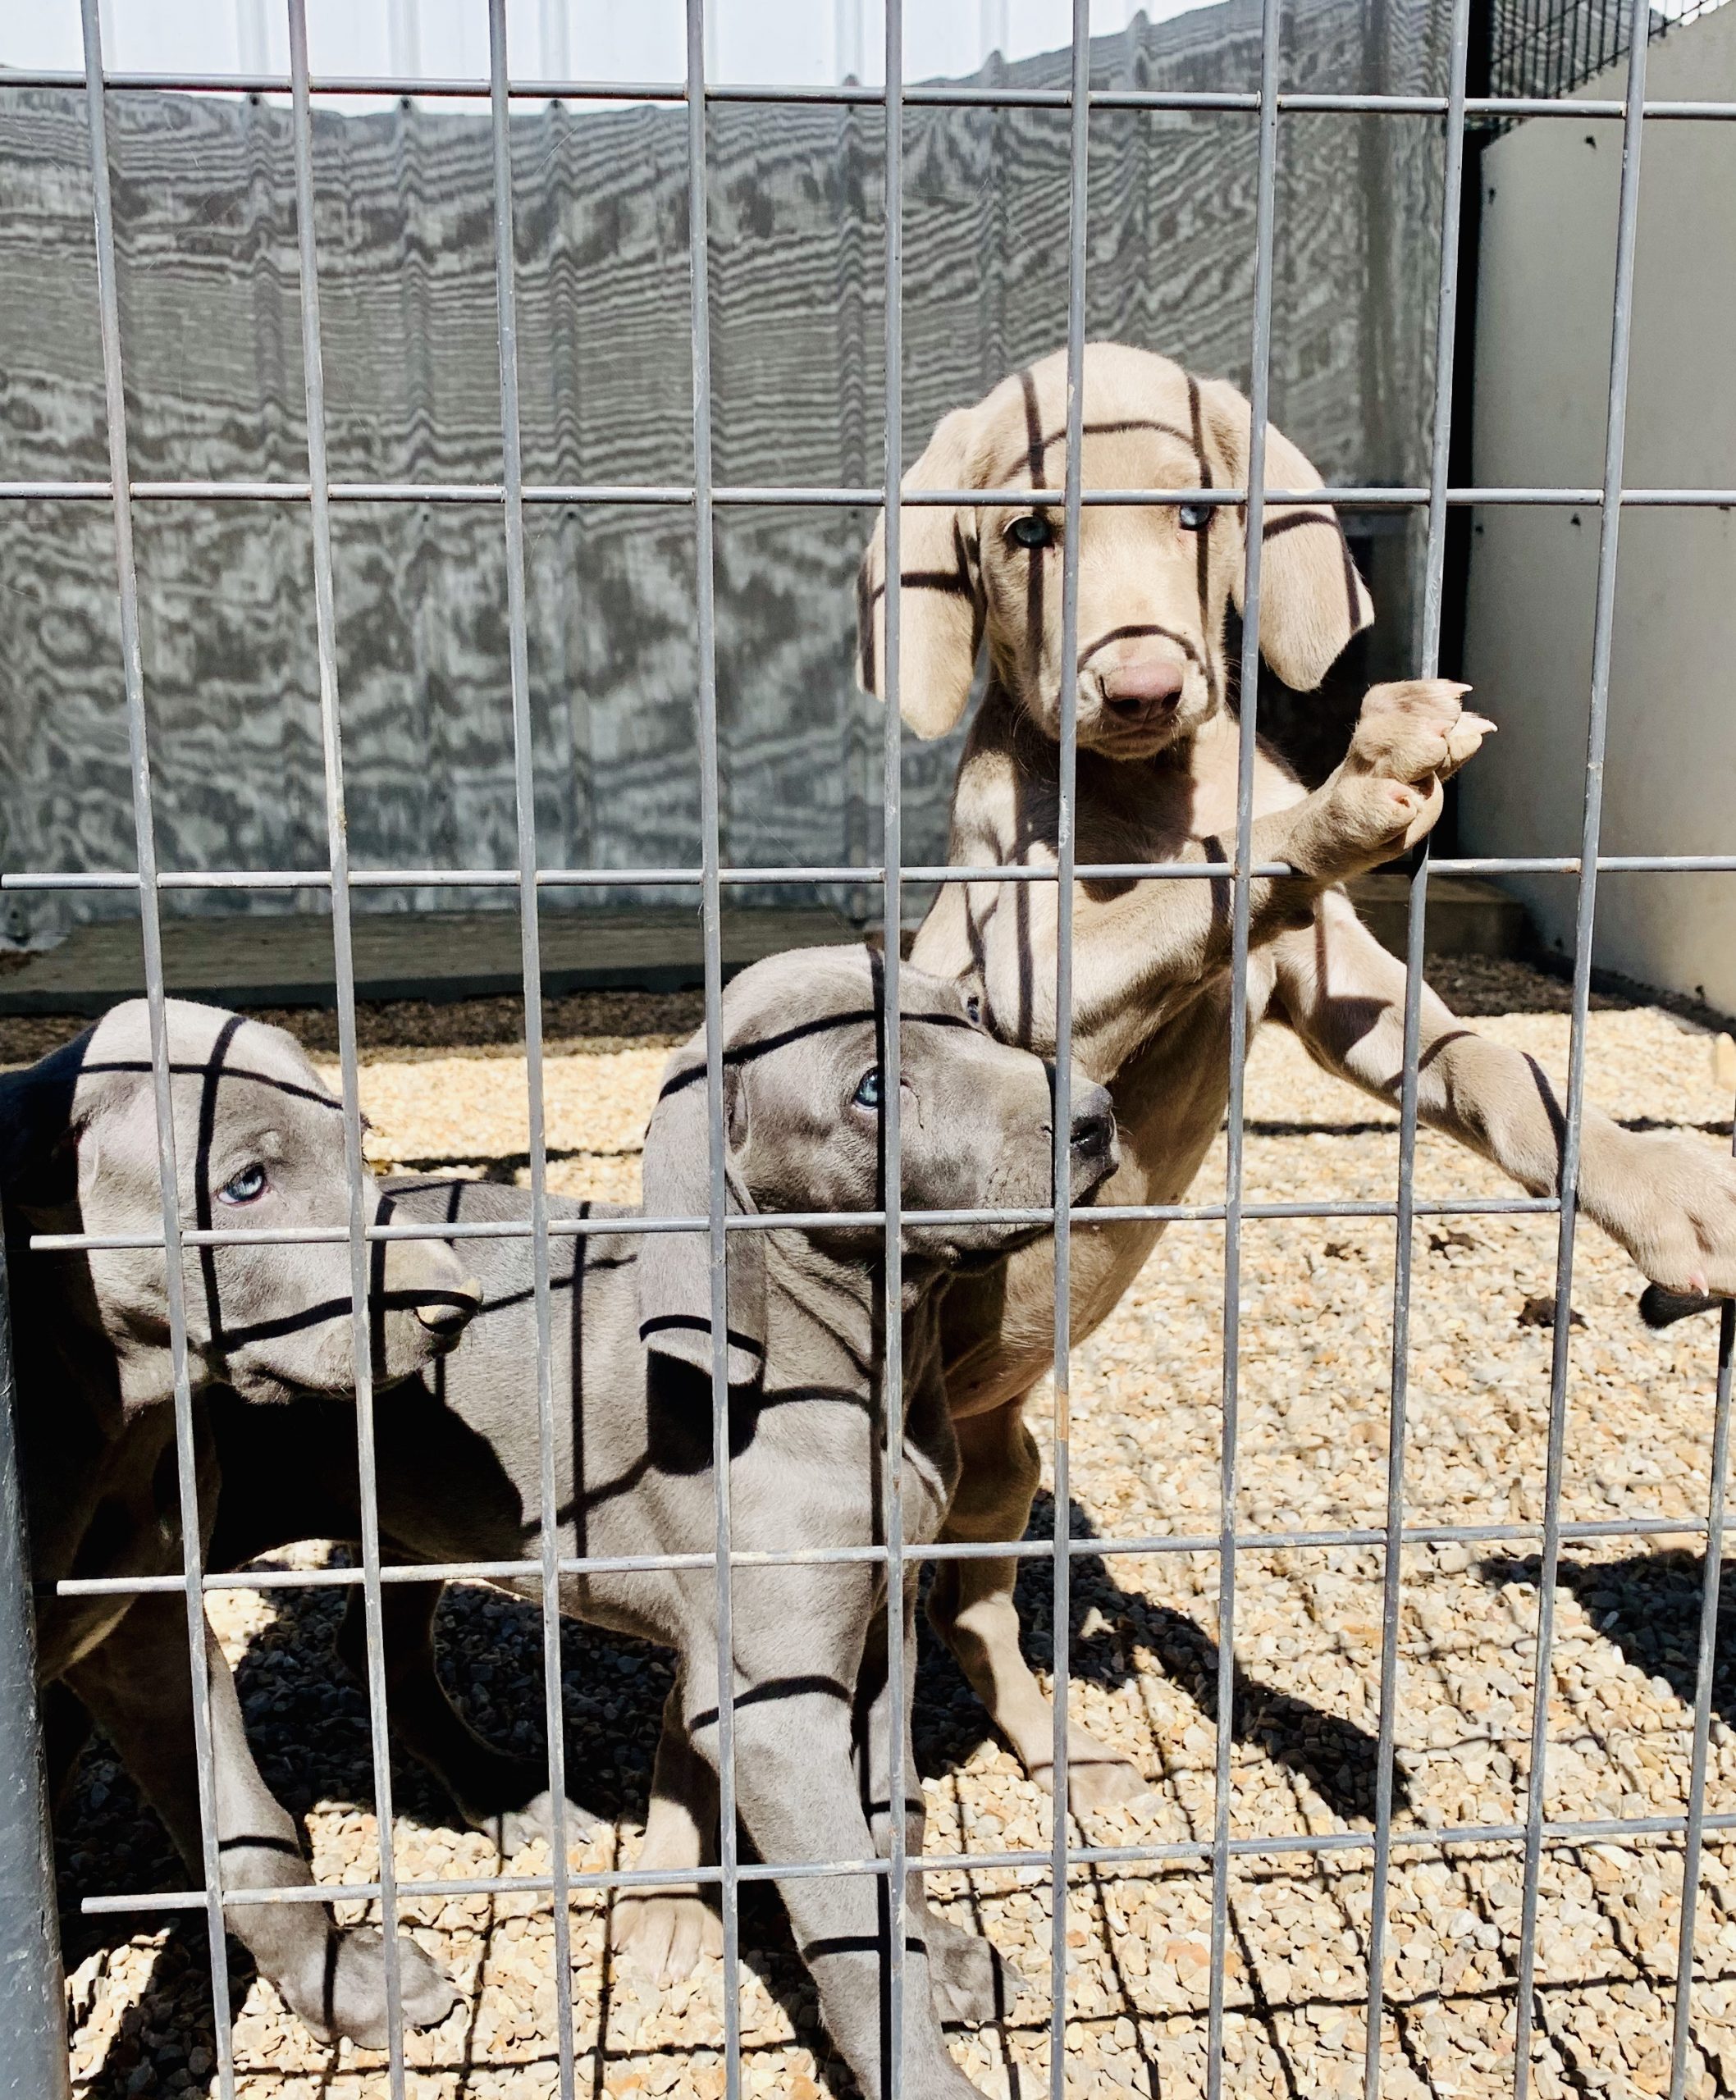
<point x="1522" y="84"/>
<point x="1537" y="49"/>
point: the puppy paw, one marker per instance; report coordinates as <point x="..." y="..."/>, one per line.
<point x="347" y="1997"/>
<point x="1410" y="738"/>
<point x="1097" y="1776"/>
<point x="511" y="1829"/>
<point x="1671" y="1202"/>
<point x="665" y="1936"/>
<point x="972" y="1981"/>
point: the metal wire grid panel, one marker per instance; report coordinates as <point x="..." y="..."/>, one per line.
<point x="1550" y="47"/>
<point x="512" y="494"/>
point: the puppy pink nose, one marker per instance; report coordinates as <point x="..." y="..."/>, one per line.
<point x="1147" y="681"/>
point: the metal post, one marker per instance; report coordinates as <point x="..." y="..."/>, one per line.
<point x="33" y="2000"/>
<point x="1066" y="841"/>
<point x="700" y="63"/>
<point x="524" y="808"/>
<point x="1258" y="388"/>
<point x="337" y="847"/>
<point x="1393" y="1574"/>
<point x="892" y="1150"/>
<point x="1602" y="645"/>
<point x="150" y="928"/>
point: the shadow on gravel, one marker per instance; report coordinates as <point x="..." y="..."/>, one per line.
<point x="307" y="1720"/>
<point x="1334" y="1756"/>
<point x="308" y="1723"/>
<point x="1649" y="1607"/>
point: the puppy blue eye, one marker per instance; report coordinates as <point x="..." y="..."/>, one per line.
<point x="1194" y="517"/>
<point x="1033" y="532"/>
<point x="246" y="1187"/>
<point x="867" y="1093"/>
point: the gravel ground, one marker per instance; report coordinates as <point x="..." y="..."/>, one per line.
<point x="444" y="1086"/>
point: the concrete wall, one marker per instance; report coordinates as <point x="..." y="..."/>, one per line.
<point x="1547" y="273"/>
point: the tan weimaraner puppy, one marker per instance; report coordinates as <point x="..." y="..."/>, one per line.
<point x="1157" y="782"/>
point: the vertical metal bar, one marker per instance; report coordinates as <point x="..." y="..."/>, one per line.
<point x="32" y="2004"/>
<point x="150" y="928"/>
<point x="402" y="39"/>
<point x="1694" y="1843"/>
<point x="847" y="40"/>
<point x="337" y="850"/>
<point x="557" y="61"/>
<point x="524" y="815"/>
<point x="1447" y="317"/>
<point x="1065" y="851"/>
<point x="1711" y="1578"/>
<point x="1603" y="630"/>
<point x="1258" y="390"/>
<point x="711" y="911"/>
<point x="892" y="1128"/>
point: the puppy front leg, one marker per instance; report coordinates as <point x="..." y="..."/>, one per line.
<point x="1142" y="951"/>
<point x="970" y="1981"/>
<point x="137" y="1690"/>
<point x="664" y="1931"/>
<point x="797" y="1791"/>
<point x="970" y="1606"/>
<point x="1668" y="1198"/>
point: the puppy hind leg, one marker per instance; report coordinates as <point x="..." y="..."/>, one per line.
<point x="138" y="1691"/>
<point x="970" y="1606"/>
<point x="664" y="1933"/>
<point x="504" y="1797"/>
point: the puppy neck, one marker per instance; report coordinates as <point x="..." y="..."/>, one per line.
<point x="826" y="1310"/>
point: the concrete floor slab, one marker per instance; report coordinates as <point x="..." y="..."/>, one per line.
<point x="286" y="959"/>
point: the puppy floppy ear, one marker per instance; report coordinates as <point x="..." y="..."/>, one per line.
<point x="674" y="1268"/>
<point x="45" y="1134"/>
<point x="1312" y="600"/>
<point x="940" y="604"/>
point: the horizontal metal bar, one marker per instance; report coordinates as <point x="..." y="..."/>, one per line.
<point x="512" y="1570"/>
<point x="849" y="496"/>
<point x="317" y="878"/>
<point x="929" y="94"/>
<point x="631" y="1225"/>
<point x="506" y="1884"/>
<point x="1614" y="1829"/>
<point x="244" y="879"/>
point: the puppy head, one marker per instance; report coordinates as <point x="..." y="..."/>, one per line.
<point x="259" y="1145"/>
<point x="1154" y="582"/>
<point x="804" y="1129"/>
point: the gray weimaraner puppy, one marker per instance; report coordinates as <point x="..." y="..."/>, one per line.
<point x="1157" y="782"/>
<point x="459" y="1462"/>
<point x="260" y="1144"/>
